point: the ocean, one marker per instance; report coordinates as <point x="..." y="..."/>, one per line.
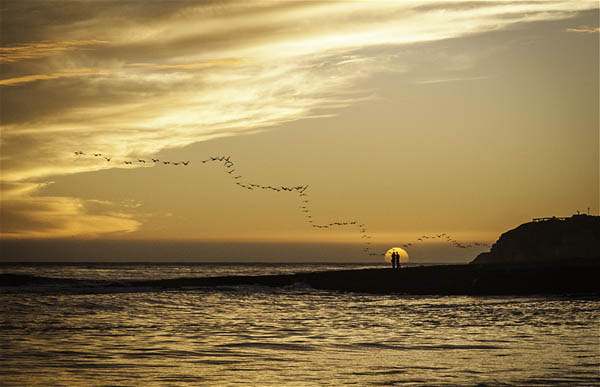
<point x="89" y="333"/>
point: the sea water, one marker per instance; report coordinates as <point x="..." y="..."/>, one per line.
<point x="291" y="336"/>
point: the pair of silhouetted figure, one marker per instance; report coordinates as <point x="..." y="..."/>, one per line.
<point x="395" y="260"/>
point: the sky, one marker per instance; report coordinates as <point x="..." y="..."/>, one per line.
<point x="454" y="120"/>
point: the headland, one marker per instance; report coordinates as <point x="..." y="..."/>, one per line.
<point x="552" y="256"/>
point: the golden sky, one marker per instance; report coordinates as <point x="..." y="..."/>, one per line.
<point x="411" y="117"/>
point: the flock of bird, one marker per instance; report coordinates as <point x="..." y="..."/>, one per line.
<point x="303" y="197"/>
<point x="447" y="238"/>
<point x="142" y="161"/>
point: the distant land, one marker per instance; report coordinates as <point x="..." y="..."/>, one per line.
<point x="547" y="240"/>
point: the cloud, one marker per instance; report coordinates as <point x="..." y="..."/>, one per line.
<point x="130" y="79"/>
<point x="61" y="74"/>
<point x="588" y="30"/>
<point x="37" y="50"/>
<point x="191" y="66"/>
<point x="25" y="215"/>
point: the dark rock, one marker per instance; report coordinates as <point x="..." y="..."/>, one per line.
<point x="546" y="241"/>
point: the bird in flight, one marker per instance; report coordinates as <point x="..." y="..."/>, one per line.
<point x="299" y="189"/>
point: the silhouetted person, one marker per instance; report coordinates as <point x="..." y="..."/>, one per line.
<point x="393" y="259"/>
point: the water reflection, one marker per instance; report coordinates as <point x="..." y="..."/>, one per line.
<point x="296" y="337"/>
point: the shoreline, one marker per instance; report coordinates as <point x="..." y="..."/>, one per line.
<point x="565" y="278"/>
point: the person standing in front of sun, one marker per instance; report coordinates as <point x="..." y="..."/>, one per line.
<point x="394" y="255"/>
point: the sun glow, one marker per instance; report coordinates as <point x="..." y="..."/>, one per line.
<point x="402" y="252"/>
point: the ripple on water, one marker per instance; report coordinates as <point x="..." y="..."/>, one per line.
<point x="262" y="337"/>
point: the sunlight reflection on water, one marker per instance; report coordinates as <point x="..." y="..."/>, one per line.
<point x="294" y="336"/>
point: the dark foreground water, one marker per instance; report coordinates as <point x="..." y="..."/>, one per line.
<point x="61" y="336"/>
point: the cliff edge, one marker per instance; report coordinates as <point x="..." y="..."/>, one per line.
<point x="547" y="240"/>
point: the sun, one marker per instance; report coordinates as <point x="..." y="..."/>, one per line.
<point x="402" y="252"/>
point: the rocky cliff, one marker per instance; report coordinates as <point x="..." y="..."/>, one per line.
<point x="548" y="240"/>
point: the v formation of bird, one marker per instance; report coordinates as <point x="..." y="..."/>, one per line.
<point x="303" y="196"/>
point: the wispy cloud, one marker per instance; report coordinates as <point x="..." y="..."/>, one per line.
<point x="61" y="74"/>
<point x="191" y="66"/>
<point x="25" y="215"/>
<point x="133" y="79"/>
<point x="37" y="50"/>
<point x="587" y="30"/>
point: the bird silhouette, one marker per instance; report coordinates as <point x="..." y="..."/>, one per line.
<point x="228" y="163"/>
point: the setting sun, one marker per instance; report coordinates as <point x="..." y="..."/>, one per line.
<point x="402" y="252"/>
